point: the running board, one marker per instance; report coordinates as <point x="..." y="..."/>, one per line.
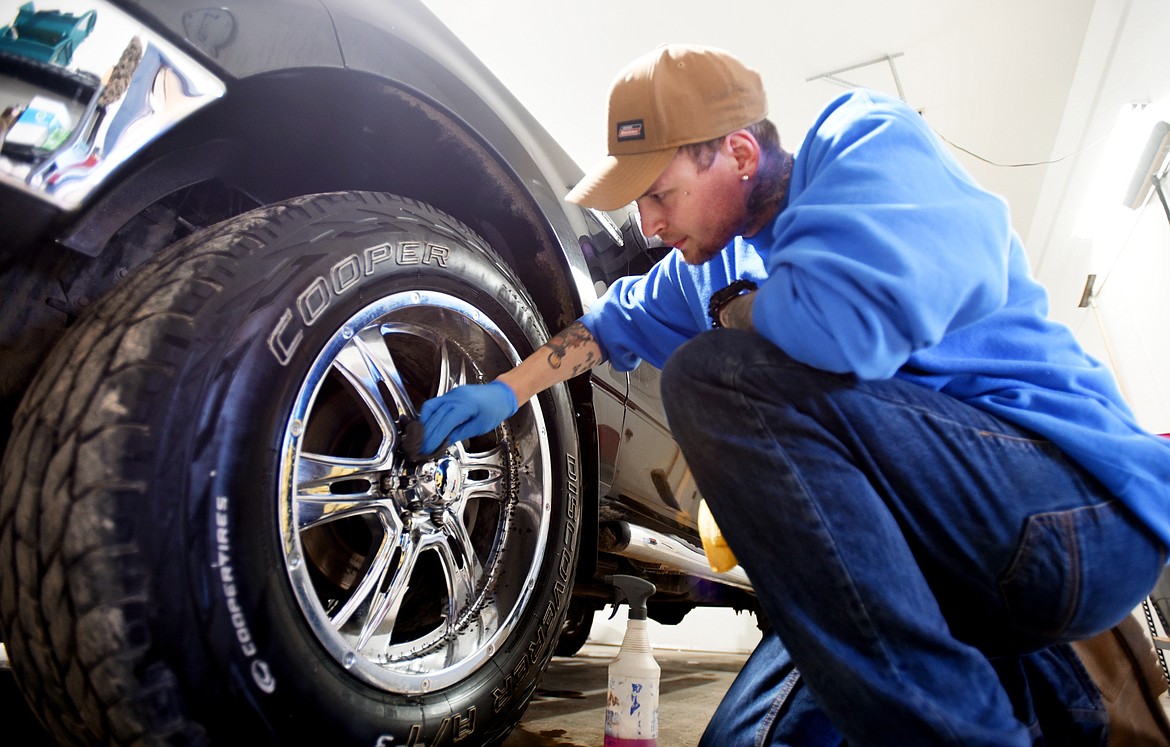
<point x="667" y="550"/>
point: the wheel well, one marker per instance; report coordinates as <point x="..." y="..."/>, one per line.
<point x="291" y="133"/>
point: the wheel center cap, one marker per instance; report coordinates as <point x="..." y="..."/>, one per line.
<point x="438" y="481"/>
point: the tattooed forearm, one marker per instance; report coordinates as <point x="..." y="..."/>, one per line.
<point x="570" y="343"/>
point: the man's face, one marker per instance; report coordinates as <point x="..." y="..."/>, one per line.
<point x="697" y="212"/>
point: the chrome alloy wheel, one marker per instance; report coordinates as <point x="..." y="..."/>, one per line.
<point x="410" y="574"/>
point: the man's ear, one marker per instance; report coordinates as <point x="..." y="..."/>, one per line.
<point x="745" y="149"/>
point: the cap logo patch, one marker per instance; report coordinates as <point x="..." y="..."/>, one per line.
<point x="631" y="130"/>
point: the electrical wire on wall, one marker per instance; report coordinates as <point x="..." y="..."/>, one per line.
<point x="1026" y="164"/>
<point x="834" y="76"/>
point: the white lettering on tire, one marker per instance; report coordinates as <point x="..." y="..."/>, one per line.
<point x="345" y="274"/>
<point x="261" y="673"/>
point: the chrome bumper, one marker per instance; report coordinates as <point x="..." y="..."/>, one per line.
<point x="83" y="95"/>
<point x="669" y="553"/>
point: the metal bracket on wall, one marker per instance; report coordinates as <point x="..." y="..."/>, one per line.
<point x="1157" y="181"/>
<point x="833" y="76"/>
<point x="1089" y="294"/>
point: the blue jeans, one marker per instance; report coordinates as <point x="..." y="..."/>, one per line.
<point x="923" y="562"/>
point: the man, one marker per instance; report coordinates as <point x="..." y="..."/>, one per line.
<point x="932" y="487"/>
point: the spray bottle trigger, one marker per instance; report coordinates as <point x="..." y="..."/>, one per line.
<point x="619" y="596"/>
<point x="633" y="590"/>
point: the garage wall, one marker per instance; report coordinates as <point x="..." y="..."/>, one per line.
<point x="1080" y="228"/>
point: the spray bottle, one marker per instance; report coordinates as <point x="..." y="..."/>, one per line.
<point x="631" y="713"/>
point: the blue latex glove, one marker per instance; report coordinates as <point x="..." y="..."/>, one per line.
<point x="463" y="412"/>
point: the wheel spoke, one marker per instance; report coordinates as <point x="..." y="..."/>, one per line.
<point x="452" y="373"/>
<point x="314" y="511"/>
<point x="452" y="368"/>
<point x="461" y="567"/>
<point x="413" y="330"/>
<point x="332" y="488"/>
<point x="361" y="594"/>
<point x="382" y="589"/>
<point x="483" y="473"/>
<point x="316" y="473"/>
<point x="366" y="363"/>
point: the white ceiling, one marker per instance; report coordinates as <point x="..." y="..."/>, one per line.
<point x="991" y="76"/>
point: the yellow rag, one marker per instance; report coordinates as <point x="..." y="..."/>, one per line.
<point x="719" y="555"/>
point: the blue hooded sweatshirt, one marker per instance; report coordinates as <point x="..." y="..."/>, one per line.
<point x="887" y="260"/>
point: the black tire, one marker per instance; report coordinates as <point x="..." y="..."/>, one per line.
<point x="202" y="475"/>
<point x="575" y="630"/>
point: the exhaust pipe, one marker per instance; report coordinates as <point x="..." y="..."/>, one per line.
<point x="667" y="550"/>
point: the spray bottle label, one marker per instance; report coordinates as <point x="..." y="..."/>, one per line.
<point x="631" y="713"/>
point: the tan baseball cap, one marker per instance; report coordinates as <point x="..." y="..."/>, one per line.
<point x="675" y="95"/>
